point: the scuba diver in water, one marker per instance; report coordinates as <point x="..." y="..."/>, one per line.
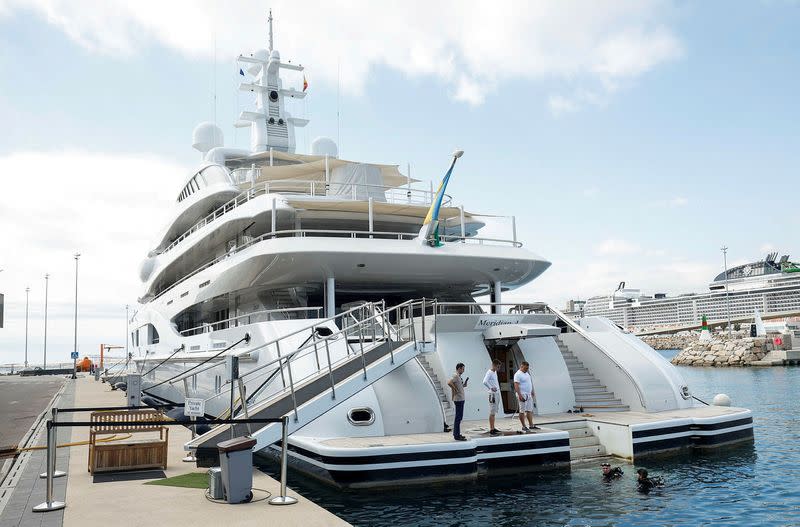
<point x="610" y="474"/>
<point x="645" y="484"/>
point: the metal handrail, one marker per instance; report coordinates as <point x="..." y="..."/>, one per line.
<point x="285" y="361"/>
<point x="203" y="328"/>
<point x="585" y="334"/>
<point x="303" y="233"/>
<point x="313" y="326"/>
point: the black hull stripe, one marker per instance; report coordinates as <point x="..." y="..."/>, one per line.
<point x="661" y="431"/>
<point x="692" y="441"/>
<point x="528" y="445"/>
<point x="427" y="455"/>
<point x="724" y="424"/>
<point x="702" y="441"/>
<point x="688" y="428"/>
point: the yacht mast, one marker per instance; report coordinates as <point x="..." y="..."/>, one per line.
<point x="269" y="19"/>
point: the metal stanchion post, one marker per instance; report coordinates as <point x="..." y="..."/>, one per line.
<point x="190" y="456"/>
<point x="50" y="505"/>
<point x="56" y="473"/>
<point x="283" y="499"/>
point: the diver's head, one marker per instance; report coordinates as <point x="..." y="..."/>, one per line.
<point x="642" y="473"/>
<point x="606" y="468"/>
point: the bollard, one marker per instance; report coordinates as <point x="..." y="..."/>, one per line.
<point x="190" y="457"/>
<point x="56" y="473"/>
<point x="283" y="499"/>
<point x="50" y="505"/>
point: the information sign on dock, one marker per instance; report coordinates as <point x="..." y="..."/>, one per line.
<point x="194" y="407"/>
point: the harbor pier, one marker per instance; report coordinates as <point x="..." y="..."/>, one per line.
<point x="124" y="498"/>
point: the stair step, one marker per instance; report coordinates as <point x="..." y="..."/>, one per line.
<point x="605" y="408"/>
<point x="567" y="425"/>
<point x="587" y="451"/>
<point x="600" y="396"/>
<point x="584" y="441"/>
<point x="598" y="403"/>
<point x="591" y="392"/>
<point x="579" y="432"/>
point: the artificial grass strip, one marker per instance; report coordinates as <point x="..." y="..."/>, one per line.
<point x="192" y="480"/>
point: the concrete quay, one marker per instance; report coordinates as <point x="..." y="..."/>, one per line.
<point x="123" y="501"/>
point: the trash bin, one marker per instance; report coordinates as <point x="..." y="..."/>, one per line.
<point x="236" y="462"/>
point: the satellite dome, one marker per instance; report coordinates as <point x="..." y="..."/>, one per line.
<point x="261" y="54"/>
<point x="207" y="136"/>
<point x="146" y="268"/>
<point x="324" y="146"/>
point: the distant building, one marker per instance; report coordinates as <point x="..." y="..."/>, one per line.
<point x="770" y="286"/>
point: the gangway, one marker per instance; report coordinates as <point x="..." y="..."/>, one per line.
<point x="313" y="380"/>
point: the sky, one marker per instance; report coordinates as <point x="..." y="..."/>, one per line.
<point x="630" y="139"/>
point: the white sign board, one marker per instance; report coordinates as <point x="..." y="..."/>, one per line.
<point x="194" y="407"/>
<point x="490" y="321"/>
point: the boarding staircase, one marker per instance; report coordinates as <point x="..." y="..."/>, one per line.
<point x="590" y="394"/>
<point x="583" y="444"/>
<point x="327" y="369"/>
<point x="448" y="410"/>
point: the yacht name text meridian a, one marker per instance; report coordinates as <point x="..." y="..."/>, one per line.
<point x="770" y="286"/>
<point x="345" y="294"/>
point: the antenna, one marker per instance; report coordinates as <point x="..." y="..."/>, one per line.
<point x="338" y="79"/>
<point x="269" y="19"/>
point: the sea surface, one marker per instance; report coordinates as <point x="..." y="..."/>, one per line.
<point x="754" y="484"/>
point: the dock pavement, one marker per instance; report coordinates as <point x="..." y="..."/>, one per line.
<point x="132" y="503"/>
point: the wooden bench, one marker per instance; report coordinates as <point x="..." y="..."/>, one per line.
<point x="128" y="454"/>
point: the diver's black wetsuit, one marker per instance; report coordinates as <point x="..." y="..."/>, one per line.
<point x="647" y="484"/>
<point x="614" y="473"/>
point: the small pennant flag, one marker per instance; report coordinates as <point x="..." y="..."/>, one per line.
<point x="305" y="83"/>
<point x="241" y="72"/>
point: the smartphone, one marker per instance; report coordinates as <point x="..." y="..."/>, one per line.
<point x="465" y="382"/>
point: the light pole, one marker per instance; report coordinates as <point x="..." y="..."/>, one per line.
<point x="727" y="293"/>
<point x="46" y="283"/>
<point x="27" y="294"/>
<point x="127" y="336"/>
<point x="75" y="341"/>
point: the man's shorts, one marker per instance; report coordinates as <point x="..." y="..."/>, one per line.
<point x="493" y="403"/>
<point x="527" y="404"/>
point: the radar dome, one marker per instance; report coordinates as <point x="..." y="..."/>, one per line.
<point x="261" y="54"/>
<point x="206" y="136"/>
<point x="324" y="146"/>
<point x="146" y="268"/>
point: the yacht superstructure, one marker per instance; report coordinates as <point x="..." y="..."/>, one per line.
<point x="346" y="294"/>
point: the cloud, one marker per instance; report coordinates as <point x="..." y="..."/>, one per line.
<point x="613" y="247"/>
<point x="474" y="49"/>
<point x="106" y="206"/>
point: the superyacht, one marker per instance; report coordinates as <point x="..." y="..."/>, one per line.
<point x="341" y="294"/>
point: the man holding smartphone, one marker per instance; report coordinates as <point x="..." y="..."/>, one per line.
<point x="457" y="386"/>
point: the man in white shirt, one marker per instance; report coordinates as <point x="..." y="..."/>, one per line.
<point x="493" y="387"/>
<point x="523" y="385"/>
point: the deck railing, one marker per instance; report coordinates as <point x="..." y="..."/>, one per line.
<point x="295" y="187"/>
<point x="256" y="316"/>
<point x="325" y="233"/>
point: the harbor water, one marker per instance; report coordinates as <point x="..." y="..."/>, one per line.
<point x="751" y="484"/>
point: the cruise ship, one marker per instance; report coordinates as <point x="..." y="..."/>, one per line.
<point x="770" y="286"/>
<point x="341" y="295"/>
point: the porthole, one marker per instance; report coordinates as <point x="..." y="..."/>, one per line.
<point x="361" y="416"/>
<point x="280" y="122"/>
<point x="271" y="120"/>
<point x="273" y="95"/>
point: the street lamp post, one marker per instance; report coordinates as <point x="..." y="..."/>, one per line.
<point x="75" y="342"/>
<point x="27" y="294"/>
<point x="46" y="283"/>
<point x="127" y="335"/>
<point x="724" y="250"/>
